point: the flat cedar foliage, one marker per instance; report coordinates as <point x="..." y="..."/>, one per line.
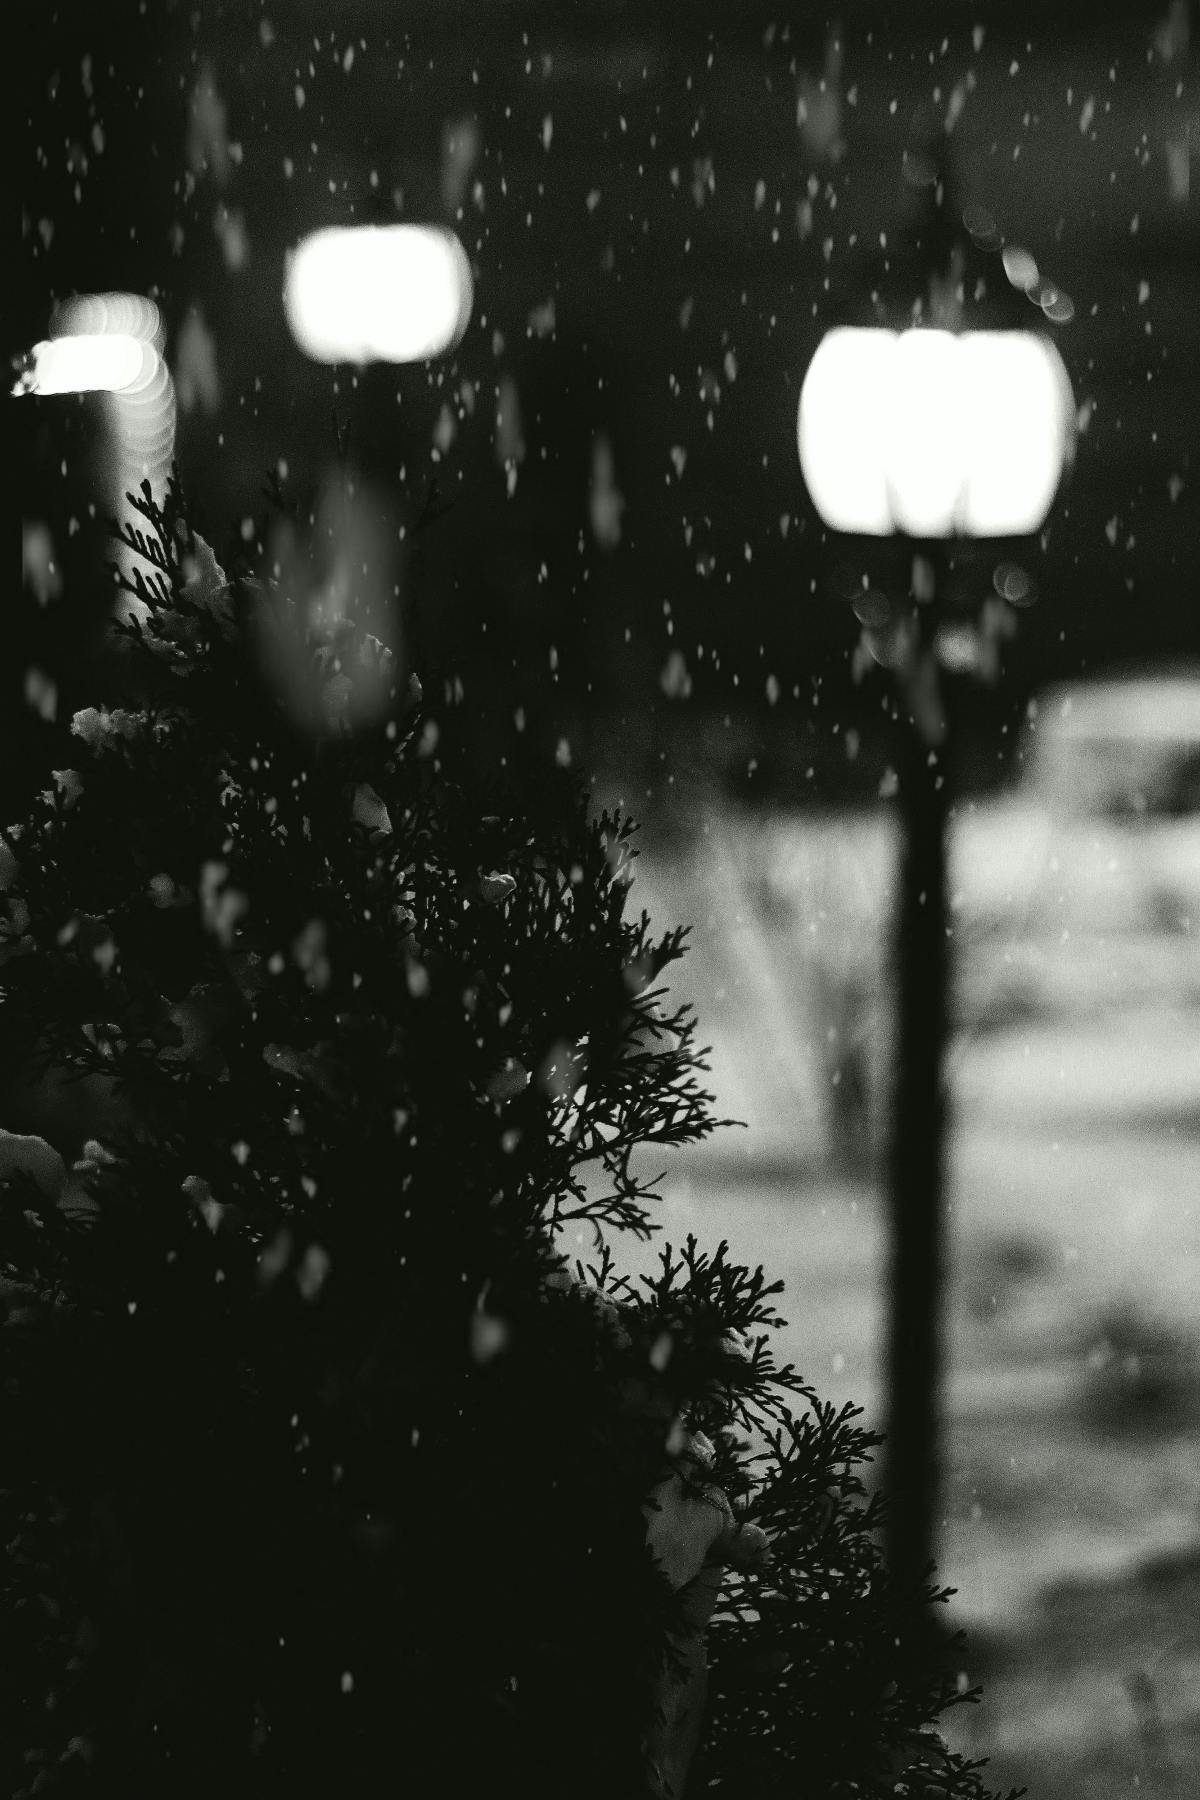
<point x="322" y="1466"/>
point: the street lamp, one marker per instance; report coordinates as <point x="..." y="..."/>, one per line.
<point x="378" y="293"/>
<point x="932" y="435"/>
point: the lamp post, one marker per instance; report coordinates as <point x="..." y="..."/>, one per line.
<point x="931" y="435"/>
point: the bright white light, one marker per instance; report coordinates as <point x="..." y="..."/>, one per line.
<point x="378" y="293"/>
<point x="924" y="423"/>
<point x="112" y="344"/>
<point x="1019" y="428"/>
<point x="841" y="451"/>
<point x="934" y="434"/>
<point x="90" y="363"/>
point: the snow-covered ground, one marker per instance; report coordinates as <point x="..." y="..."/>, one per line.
<point x="1076" y="963"/>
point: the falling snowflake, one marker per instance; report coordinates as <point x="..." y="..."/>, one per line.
<point x="675" y="680"/>
<point x="606" y="502"/>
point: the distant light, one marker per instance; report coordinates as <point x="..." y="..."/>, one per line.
<point x="143" y="424"/>
<point x="131" y="314"/>
<point x="1019" y="427"/>
<point x="1013" y="584"/>
<point x="932" y="433"/>
<point x="1059" y="308"/>
<point x="94" y="362"/>
<point x="1020" y="267"/>
<point x="982" y="227"/>
<point x="841" y="452"/>
<point x="925" y="430"/>
<point x="378" y="293"/>
<point x="112" y="344"/>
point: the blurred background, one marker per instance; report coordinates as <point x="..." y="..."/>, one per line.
<point x="591" y="512"/>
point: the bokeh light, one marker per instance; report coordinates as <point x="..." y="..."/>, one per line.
<point x="112" y="344"/>
<point x="841" y="452"/>
<point x="932" y="433"/>
<point x="93" y="362"/>
<point x="378" y="293"/>
<point x="1019" y="431"/>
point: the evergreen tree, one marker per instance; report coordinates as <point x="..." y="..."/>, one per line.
<point x="324" y="1462"/>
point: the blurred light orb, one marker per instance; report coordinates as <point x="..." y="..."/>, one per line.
<point x="113" y="345"/>
<point x="1058" y="307"/>
<point x="1020" y="267"/>
<point x="1013" y="584"/>
<point x="131" y="314"/>
<point x="934" y="433"/>
<point x="143" y="422"/>
<point x="121" y="335"/>
<point x="92" y="362"/>
<point x="982" y="227"/>
<point x="378" y="293"/>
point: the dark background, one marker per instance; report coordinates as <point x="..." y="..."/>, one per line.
<point x="694" y="240"/>
<point x="707" y="650"/>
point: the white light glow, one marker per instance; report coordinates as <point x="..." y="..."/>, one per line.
<point x="924" y="424"/>
<point x="1020" y="267"/>
<point x="1018" y="431"/>
<point x="378" y="293"/>
<point x="934" y="434"/>
<point x="131" y="314"/>
<point x="94" y="362"/>
<point x="841" y="452"/>
<point x="112" y="344"/>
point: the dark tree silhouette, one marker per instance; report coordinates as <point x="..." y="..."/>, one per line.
<point x="323" y="1462"/>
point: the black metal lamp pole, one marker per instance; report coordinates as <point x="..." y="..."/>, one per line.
<point x="916" y="1186"/>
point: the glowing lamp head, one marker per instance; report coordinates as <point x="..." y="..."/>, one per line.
<point x="935" y="434"/>
<point x="378" y="293"/>
<point x="102" y="343"/>
<point x="88" y="363"/>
